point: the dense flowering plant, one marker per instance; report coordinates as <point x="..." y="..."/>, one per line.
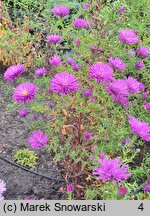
<point x="86" y="92"/>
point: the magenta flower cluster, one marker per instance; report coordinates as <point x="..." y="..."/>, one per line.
<point x="111" y="170"/>
<point x="120" y="89"/>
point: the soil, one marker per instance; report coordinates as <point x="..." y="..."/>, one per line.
<point x="20" y="183"/>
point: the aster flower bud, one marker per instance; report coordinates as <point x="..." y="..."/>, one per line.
<point x="122" y="191"/>
<point x="70" y="188"/>
<point x="139" y="65"/>
<point x="78" y="42"/>
<point x="87" y="93"/>
<point x="87" y="136"/>
<point x="23" y="113"/>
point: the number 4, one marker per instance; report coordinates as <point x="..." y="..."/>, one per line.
<point x="141" y="207"/>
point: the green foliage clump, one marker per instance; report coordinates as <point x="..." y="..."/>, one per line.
<point x="26" y="157"/>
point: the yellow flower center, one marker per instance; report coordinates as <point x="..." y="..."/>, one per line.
<point x="25" y="92"/>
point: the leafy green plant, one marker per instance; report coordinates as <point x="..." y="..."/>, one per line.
<point x="25" y="157"/>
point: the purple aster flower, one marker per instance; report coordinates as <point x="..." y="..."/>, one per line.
<point x="131" y="53"/>
<point x="147" y="105"/>
<point x="92" y="157"/>
<point x="134" y="86"/>
<point x="25" y="92"/>
<point x="93" y="99"/>
<point x="147" y="187"/>
<point x="142" y="51"/>
<point x="13" y="72"/>
<point x="122" y="100"/>
<point x="86" y="6"/>
<point x="101" y="155"/>
<point x="82" y="23"/>
<point x="101" y="72"/>
<point x="117" y="63"/>
<point x="78" y="42"/>
<point x="128" y="36"/>
<point x="139" y="65"/>
<point x="35" y="116"/>
<point x="23" y="113"/>
<point x="121" y="10"/>
<point x="93" y="148"/>
<point x="51" y="90"/>
<point x="144" y="95"/>
<point x="87" y="136"/>
<point x="53" y="39"/>
<point x="122" y="191"/>
<point x="118" y="87"/>
<point x="51" y="117"/>
<point x="87" y="93"/>
<point x="141" y="128"/>
<point x="38" y="139"/>
<point x="44" y="117"/>
<point x="70" y="61"/>
<point x="119" y="90"/>
<point x="55" y="60"/>
<point x="76" y="67"/>
<point x="40" y="71"/>
<point x="111" y="170"/>
<point x="70" y="188"/>
<point x="61" y="11"/>
<point x="95" y="48"/>
<point x="64" y="83"/>
<point x="2" y="189"/>
<point x="124" y="141"/>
